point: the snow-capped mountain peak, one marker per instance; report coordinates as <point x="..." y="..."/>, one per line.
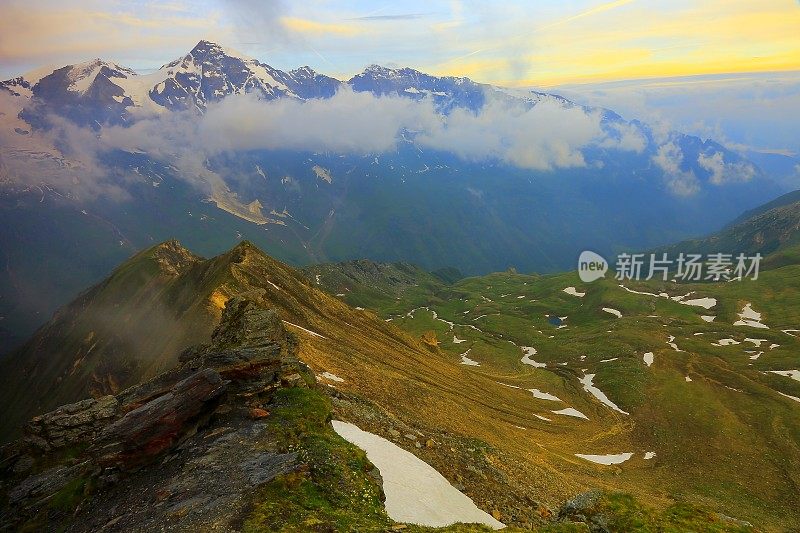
<point x="77" y="78"/>
<point x="82" y="75"/>
<point x="209" y="72"/>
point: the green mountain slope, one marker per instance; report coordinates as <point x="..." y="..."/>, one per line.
<point x="365" y="283"/>
<point x="238" y="436"/>
<point x="718" y="403"/>
<point x="507" y="384"/>
<point x="767" y="229"/>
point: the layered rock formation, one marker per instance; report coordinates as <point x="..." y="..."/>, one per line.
<point x="194" y="434"/>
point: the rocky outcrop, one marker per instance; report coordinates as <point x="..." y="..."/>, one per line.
<point x="253" y="349"/>
<point x="72" y="424"/>
<point x="173" y="259"/>
<point x="190" y="431"/>
<point x="148" y="431"/>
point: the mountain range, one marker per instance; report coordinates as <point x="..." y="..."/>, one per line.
<point x="204" y="390"/>
<point x="98" y="158"/>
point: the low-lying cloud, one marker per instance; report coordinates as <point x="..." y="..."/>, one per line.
<point x="543" y="137"/>
<point x="669" y="158"/>
<point x="723" y="172"/>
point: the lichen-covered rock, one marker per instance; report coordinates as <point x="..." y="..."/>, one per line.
<point x="71" y="424"/>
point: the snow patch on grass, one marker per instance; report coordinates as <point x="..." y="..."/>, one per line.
<point x="795" y="398"/>
<point x="467" y="361"/>
<point x="572" y="291"/>
<point x="589" y="387"/>
<point x="610" y="459"/>
<point x="331" y="377"/>
<point x="749" y="317"/>
<point x="671" y="343"/>
<point x="569" y="411"/>
<point x="529" y="352"/>
<point x="613" y="312"/>
<point x="416" y="493"/>
<point x="706" y="303"/>
<point x="794" y="374"/>
<point x="314" y="333"/>
<point x="544" y="395"/>
<point x="756" y="342"/>
<point x="725" y="342"/>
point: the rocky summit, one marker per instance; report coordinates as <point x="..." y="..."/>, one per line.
<point x="184" y="449"/>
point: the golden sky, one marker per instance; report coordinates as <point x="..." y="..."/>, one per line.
<point x="514" y="43"/>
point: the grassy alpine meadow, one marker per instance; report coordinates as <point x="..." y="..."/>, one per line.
<point x="692" y="402"/>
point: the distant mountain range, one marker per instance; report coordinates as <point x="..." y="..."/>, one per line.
<point x="72" y="206"/>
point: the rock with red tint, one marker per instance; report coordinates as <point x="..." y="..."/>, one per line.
<point x="256" y="413"/>
<point x="152" y="429"/>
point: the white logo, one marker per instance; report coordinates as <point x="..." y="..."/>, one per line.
<point x="591" y="266"/>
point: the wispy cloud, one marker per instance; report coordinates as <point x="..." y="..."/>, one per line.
<point x="402" y="16"/>
<point x="602" y="8"/>
<point x="49" y="32"/>
<point x="307" y="26"/>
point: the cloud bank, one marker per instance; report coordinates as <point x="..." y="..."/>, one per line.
<point x="546" y="136"/>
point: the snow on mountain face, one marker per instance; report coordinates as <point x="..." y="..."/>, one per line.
<point x="98" y="92"/>
<point x="80" y="79"/>
<point x="85" y="92"/>
<point x="210" y="72"/>
<point x="447" y="92"/>
<point x="18" y="86"/>
<point x="306" y="83"/>
<point x="23" y="85"/>
<point x="84" y="75"/>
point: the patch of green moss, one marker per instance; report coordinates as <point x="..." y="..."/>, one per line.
<point x="70" y="495"/>
<point x="59" y="507"/>
<point x="682" y="517"/>
<point x="334" y="492"/>
<point x="622" y="512"/>
<point x="58" y="457"/>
